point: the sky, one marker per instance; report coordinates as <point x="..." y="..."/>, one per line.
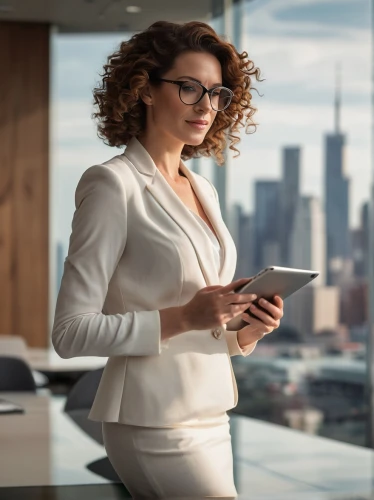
<point x="297" y="45"/>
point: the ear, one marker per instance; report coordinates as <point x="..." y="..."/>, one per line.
<point x="146" y="96"/>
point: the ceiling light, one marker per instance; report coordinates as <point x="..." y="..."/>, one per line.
<point x="133" y="9"/>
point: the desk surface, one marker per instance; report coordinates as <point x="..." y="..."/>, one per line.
<point x="44" y="447"/>
<point x="47" y="360"/>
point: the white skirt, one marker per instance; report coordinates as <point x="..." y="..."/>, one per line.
<point x="168" y="462"/>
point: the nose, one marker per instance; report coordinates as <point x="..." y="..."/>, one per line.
<point x="204" y="103"/>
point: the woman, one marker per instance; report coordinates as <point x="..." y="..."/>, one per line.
<point x="147" y="279"/>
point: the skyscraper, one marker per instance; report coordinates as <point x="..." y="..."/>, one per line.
<point x="242" y="233"/>
<point x="308" y="246"/>
<point x="316" y="306"/>
<point x="336" y="198"/>
<point x="266" y="226"/>
<point x="289" y="197"/>
<point x="220" y="182"/>
<point x="360" y="244"/>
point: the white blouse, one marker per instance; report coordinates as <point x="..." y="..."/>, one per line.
<point x="213" y="238"/>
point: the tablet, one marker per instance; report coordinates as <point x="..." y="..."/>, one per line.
<point x="274" y="280"/>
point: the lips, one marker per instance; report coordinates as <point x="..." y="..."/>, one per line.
<point x="198" y="122"/>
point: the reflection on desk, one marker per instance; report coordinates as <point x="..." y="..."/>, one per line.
<point x="43" y="446"/>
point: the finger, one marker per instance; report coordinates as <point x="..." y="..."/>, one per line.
<point x="278" y="301"/>
<point x="275" y="311"/>
<point x="252" y="320"/>
<point x="235" y="284"/>
<point x="247" y="318"/>
<point x="239" y="298"/>
<point x="212" y="287"/>
<point x="257" y="324"/>
<point x="235" y="309"/>
<point x="263" y="316"/>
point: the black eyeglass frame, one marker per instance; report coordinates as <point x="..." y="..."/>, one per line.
<point x="180" y="83"/>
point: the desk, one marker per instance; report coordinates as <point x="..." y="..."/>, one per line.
<point x="48" y="361"/>
<point x="45" y="448"/>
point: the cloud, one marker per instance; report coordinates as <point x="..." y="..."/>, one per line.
<point x="297" y="44"/>
<point x="77" y="61"/>
<point x="308" y="18"/>
<point x="297" y="70"/>
<point x="72" y="120"/>
<point x="282" y="123"/>
<point x="343" y="13"/>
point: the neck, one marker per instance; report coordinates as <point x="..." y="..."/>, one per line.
<point x="164" y="153"/>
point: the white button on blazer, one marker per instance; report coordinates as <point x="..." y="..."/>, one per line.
<point x="135" y="248"/>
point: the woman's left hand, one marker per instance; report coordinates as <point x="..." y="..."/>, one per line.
<point x="266" y="321"/>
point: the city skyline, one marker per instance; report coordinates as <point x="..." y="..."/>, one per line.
<point x="295" y="110"/>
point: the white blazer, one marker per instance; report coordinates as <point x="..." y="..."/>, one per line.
<point x="135" y="248"/>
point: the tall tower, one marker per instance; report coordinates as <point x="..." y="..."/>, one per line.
<point x="266" y="227"/>
<point x="244" y="241"/>
<point x="307" y="244"/>
<point x="336" y="196"/>
<point x="289" y="198"/>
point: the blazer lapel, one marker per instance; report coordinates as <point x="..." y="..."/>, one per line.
<point x="163" y="193"/>
<point x="213" y="212"/>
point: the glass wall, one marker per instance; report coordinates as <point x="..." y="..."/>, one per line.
<point x="76" y="63"/>
<point x="297" y="196"/>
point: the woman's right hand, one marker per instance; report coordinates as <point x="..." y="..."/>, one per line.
<point x="216" y="305"/>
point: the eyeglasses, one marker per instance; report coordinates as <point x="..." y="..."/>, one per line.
<point x="191" y="92"/>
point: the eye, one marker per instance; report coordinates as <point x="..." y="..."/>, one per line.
<point x="190" y="87"/>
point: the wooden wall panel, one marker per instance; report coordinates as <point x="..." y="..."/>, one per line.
<point x="24" y="180"/>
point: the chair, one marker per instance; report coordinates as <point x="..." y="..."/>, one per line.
<point x="78" y="405"/>
<point x="82" y="394"/>
<point x="79" y="401"/>
<point x="15" y="375"/>
<point x="16" y="347"/>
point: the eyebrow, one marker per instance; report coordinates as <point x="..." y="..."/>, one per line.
<point x="196" y="80"/>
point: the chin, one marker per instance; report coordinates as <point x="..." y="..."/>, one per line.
<point x="195" y="141"/>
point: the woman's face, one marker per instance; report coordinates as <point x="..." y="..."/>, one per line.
<point x="169" y="114"/>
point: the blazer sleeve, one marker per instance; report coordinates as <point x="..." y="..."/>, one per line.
<point x="97" y="241"/>
<point x="231" y="335"/>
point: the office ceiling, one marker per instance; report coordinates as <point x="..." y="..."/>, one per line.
<point x="89" y="16"/>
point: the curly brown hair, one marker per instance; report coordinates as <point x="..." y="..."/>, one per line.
<point x="147" y="56"/>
